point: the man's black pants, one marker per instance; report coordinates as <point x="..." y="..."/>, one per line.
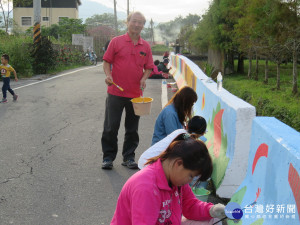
<point x="113" y="113"/>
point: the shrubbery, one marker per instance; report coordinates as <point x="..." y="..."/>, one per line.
<point x="280" y="104"/>
<point x="67" y="56"/>
<point x="26" y="63"/>
<point x="17" y="47"/>
<point x="44" y="58"/>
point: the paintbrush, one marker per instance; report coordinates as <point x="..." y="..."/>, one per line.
<point x="121" y="89"/>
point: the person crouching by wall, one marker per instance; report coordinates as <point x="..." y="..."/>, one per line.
<point x="175" y="114"/>
<point x="160" y="193"/>
<point x="155" y="74"/>
<point x="163" y="66"/>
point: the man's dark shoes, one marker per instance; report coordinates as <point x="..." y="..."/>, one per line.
<point x="107" y="164"/>
<point x="130" y="163"/>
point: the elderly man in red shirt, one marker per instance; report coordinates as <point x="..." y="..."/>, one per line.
<point x="127" y="62"/>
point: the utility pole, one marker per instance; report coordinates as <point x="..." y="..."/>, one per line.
<point x="116" y="20"/>
<point x="152" y="31"/>
<point x="127" y="7"/>
<point x="37" y="23"/>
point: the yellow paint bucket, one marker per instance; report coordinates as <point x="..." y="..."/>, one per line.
<point x="142" y="105"/>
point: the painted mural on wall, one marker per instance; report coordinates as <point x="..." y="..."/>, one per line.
<point x="217" y="145"/>
<point x="212" y="112"/>
<point x="217" y="133"/>
<point x="272" y="178"/>
<point x="269" y="193"/>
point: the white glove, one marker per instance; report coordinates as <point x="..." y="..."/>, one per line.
<point x="217" y="211"/>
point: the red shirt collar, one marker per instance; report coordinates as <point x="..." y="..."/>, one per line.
<point x="127" y="38"/>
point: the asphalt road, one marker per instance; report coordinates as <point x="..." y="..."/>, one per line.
<point x="50" y="151"/>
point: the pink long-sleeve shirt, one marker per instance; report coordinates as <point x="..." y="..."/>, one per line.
<point x="146" y="198"/>
<point x="155" y="71"/>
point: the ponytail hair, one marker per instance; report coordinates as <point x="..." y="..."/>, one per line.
<point x="193" y="153"/>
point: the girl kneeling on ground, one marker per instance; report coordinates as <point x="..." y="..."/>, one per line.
<point x="160" y="193"/>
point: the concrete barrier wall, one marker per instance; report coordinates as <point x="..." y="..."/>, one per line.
<point x="229" y="122"/>
<point x="272" y="177"/>
<point x="261" y="155"/>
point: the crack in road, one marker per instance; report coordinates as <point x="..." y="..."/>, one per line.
<point x="50" y="137"/>
<point x="13" y="178"/>
<point x="40" y="156"/>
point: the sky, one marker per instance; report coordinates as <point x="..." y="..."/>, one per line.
<point x="160" y="10"/>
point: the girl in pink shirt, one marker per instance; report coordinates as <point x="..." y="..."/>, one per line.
<point x="160" y="193"/>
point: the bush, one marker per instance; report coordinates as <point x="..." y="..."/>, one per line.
<point x="26" y="62"/>
<point x="44" y="58"/>
<point x="18" y="50"/>
<point x="3" y="33"/>
<point x="208" y="69"/>
<point x="67" y="56"/>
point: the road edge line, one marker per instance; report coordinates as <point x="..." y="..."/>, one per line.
<point x="54" y="77"/>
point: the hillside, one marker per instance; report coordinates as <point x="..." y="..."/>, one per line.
<point x="90" y="8"/>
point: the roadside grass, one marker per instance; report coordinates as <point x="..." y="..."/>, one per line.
<point x="267" y="100"/>
<point x="160" y="49"/>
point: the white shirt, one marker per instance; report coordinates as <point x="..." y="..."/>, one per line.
<point x="159" y="147"/>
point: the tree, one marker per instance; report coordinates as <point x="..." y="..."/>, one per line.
<point x="22" y="3"/>
<point x="169" y="31"/>
<point x="292" y="27"/>
<point x="274" y="29"/>
<point x="245" y="34"/>
<point x="191" y="19"/>
<point x="63" y="30"/>
<point x="216" y="31"/>
<point x="6" y="10"/>
<point x="230" y="12"/>
<point x="101" y="35"/>
<point x="200" y="39"/>
<point x="67" y="27"/>
<point x="106" y="19"/>
<point x="53" y="31"/>
<point x="184" y="37"/>
<point x="5" y="6"/>
<point x="281" y="18"/>
<point x="146" y="34"/>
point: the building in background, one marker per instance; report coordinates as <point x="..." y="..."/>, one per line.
<point x="52" y="12"/>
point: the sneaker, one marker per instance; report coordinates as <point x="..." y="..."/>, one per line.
<point x="130" y="163"/>
<point x="15" y="97"/>
<point x="3" y="100"/>
<point x="107" y="164"/>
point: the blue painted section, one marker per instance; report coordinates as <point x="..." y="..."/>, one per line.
<point x="271" y="173"/>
